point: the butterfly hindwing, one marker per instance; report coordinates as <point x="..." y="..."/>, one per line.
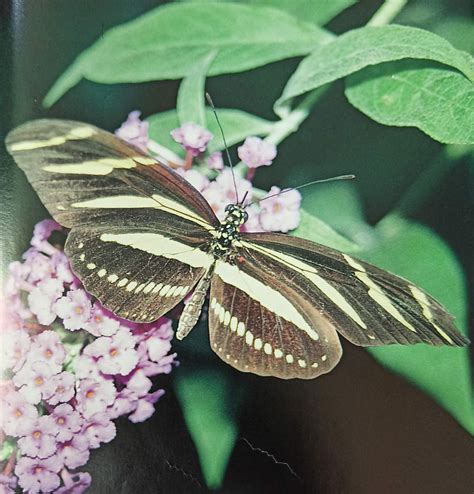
<point x="367" y="305"/>
<point x="137" y="273"/>
<point x="268" y="328"/>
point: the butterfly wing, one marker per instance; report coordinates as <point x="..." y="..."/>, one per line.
<point x="137" y="226"/>
<point x="259" y="323"/>
<point x="367" y="305"/>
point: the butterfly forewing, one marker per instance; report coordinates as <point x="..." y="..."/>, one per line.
<point x="365" y="304"/>
<point x="259" y="324"/>
<point x="137" y="226"/>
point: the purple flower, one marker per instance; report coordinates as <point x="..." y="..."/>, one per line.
<point x="75" y="483"/>
<point x="138" y="383"/>
<point x="115" y="354"/>
<point x="17" y="415"/>
<point x="221" y="191"/>
<point x="253" y="222"/>
<point x="192" y="137"/>
<point x="86" y="366"/>
<point x="75" y="452"/>
<point x="48" y="347"/>
<point x="94" y="396"/>
<point x="33" y="379"/>
<point x="75" y="309"/>
<point x="134" y="131"/>
<point x="256" y="152"/>
<point x="62" y="267"/>
<point x="38" y="475"/>
<point x="157" y="348"/>
<point x="41" y="233"/>
<point x="215" y="161"/>
<point x="99" y="429"/>
<point x="125" y="402"/>
<point x="15" y="346"/>
<point x="38" y="439"/>
<point x="41" y="265"/>
<point x="102" y="322"/>
<point x="67" y="422"/>
<point x="280" y="213"/>
<point x="8" y="484"/>
<point x="196" y="179"/>
<point x="60" y="388"/>
<point x="42" y="298"/>
<point x="145" y="407"/>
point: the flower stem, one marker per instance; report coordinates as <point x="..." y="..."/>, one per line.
<point x="387" y="12"/>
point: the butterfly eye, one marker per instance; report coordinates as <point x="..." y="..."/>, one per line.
<point x="229" y="207"/>
<point x="245" y="217"/>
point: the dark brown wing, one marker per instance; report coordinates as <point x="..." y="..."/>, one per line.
<point x="260" y="324"/>
<point x="365" y="304"/>
<point x="137" y="226"/>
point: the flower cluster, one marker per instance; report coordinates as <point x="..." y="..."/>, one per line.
<point x="278" y="213"/>
<point x="69" y="369"/>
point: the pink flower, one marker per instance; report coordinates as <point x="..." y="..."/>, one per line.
<point x="43" y="297"/>
<point x="17" y="415"/>
<point x="125" y="402"/>
<point x="86" y="366"/>
<point x="256" y="152"/>
<point x="33" y="379"/>
<point x="157" y="348"/>
<point x="94" y="396"/>
<point x="67" y="422"/>
<point x="115" y="354"/>
<point x="102" y="322"/>
<point x="62" y="267"/>
<point x="38" y="439"/>
<point x="221" y="191"/>
<point x="48" y="347"/>
<point x="41" y="265"/>
<point x="14" y="348"/>
<point x="192" y="137"/>
<point x="145" y="407"/>
<point x="139" y="384"/>
<point x="41" y="233"/>
<point x="8" y="484"/>
<point x="75" y="452"/>
<point x="38" y="475"/>
<point x="75" y="483"/>
<point x="134" y="131"/>
<point x="60" y="388"/>
<point x="280" y="213"/>
<point x="196" y="179"/>
<point x="253" y="222"/>
<point x="75" y="309"/>
<point x="215" y="161"/>
<point x="99" y="429"/>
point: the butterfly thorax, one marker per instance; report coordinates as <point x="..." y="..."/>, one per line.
<point x="228" y="231"/>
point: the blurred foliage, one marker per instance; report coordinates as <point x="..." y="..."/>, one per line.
<point x="398" y="76"/>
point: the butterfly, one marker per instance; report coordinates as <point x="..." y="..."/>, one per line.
<point x="142" y="238"/>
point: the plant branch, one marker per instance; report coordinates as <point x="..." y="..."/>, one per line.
<point x="387" y="12"/>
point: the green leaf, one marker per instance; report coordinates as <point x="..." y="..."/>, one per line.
<point x="166" y="42"/>
<point x="6" y="449"/>
<point x="312" y="228"/>
<point x="319" y="12"/>
<point x="416" y="253"/>
<point x="367" y="46"/>
<point x="338" y="205"/>
<point x="237" y="126"/>
<point x="440" y="102"/>
<point x="191" y="106"/>
<point x="209" y="402"/>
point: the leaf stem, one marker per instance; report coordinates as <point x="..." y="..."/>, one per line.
<point x="387" y="12"/>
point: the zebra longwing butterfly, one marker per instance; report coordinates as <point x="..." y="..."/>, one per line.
<point x="142" y="238"/>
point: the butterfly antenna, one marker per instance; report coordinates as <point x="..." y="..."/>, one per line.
<point x="332" y="179"/>
<point x="209" y="99"/>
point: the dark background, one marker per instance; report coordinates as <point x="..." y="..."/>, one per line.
<point x="358" y="430"/>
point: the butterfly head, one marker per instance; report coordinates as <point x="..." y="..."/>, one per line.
<point x="236" y="215"/>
